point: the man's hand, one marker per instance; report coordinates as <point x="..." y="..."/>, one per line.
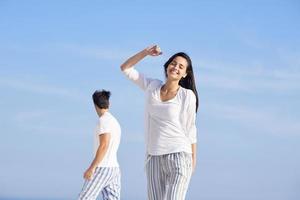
<point x="88" y="174"/>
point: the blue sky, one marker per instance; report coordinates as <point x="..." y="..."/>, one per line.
<point x="246" y="57"/>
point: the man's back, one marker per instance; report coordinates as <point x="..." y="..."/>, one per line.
<point x="108" y="124"/>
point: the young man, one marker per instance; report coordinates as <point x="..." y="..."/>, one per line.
<point x="103" y="175"/>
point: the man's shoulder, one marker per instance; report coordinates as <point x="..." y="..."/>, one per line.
<point x="110" y="119"/>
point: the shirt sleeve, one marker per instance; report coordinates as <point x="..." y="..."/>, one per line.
<point x="103" y="127"/>
<point x="138" y="78"/>
<point x="191" y="118"/>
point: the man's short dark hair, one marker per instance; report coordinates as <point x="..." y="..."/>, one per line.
<point x="101" y="99"/>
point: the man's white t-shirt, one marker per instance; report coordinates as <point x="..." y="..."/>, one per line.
<point x="108" y="124"/>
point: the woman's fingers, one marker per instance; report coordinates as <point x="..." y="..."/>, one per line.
<point x="157" y="49"/>
<point x="154" y="50"/>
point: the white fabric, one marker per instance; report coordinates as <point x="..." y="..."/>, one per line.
<point x="108" y="124"/>
<point x="169" y="125"/>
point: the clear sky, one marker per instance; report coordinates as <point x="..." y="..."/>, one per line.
<point x="246" y="57"/>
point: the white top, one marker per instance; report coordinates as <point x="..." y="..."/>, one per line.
<point x="169" y="125"/>
<point x="108" y="124"/>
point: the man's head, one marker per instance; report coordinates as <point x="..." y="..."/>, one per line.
<point x="101" y="99"/>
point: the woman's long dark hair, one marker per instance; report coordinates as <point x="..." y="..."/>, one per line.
<point x="189" y="81"/>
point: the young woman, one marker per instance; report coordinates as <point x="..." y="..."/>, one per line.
<point x="103" y="174"/>
<point x="170" y="124"/>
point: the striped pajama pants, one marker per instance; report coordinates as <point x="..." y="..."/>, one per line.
<point x="168" y="176"/>
<point x="106" y="180"/>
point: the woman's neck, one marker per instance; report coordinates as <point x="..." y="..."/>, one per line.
<point x="171" y="86"/>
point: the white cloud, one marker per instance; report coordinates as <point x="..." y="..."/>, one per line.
<point x="249" y="77"/>
<point x="248" y="37"/>
<point x="98" y="52"/>
<point x="49" y="122"/>
<point x="255" y="118"/>
<point x="41" y="89"/>
<point x="90" y="51"/>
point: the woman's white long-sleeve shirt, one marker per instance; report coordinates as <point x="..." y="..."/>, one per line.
<point x="169" y="125"/>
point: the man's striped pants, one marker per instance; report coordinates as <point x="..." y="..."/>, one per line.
<point x="106" y="180"/>
<point x="168" y="176"/>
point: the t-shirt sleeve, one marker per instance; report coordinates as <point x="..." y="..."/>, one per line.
<point x="103" y="126"/>
<point x="191" y="118"/>
<point x="138" y="78"/>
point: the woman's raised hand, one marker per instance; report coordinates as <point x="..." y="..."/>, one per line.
<point x="149" y="51"/>
<point x="153" y="50"/>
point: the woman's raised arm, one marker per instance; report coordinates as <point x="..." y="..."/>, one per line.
<point x="149" y="51"/>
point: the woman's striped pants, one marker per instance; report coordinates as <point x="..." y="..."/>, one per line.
<point x="168" y="176"/>
<point x="106" y="180"/>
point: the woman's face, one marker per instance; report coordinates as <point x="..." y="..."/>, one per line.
<point x="177" y="68"/>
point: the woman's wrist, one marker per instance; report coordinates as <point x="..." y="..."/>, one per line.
<point x="145" y="52"/>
